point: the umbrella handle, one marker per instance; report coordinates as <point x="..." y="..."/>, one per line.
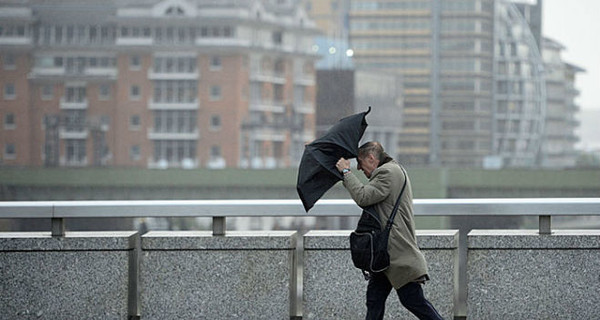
<point x="367" y="112"/>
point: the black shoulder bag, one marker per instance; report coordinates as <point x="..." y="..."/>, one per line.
<point x="369" y="242"/>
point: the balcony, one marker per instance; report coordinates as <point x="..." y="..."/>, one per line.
<point x="154" y="135"/>
<point x="100" y="72"/>
<point x="223" y="42"/>
<point x="267" y="134"/>
<point x="134" y="41"/>
<point x="152" y="75"/>
<point x="16" y="41"/>
<point x="40" y="72"/>
<point x="304" y="79"/>
<point x="304" y="107"/>
<point x="73" y="162"/>
<point x="265" y="76"/>
<point x="153" y="105"/>
<point x="187" y="163"/>
<point x="269" y="106"/>
<point x="73" y="134"/>
<point x="73" y="105"/>
<point x="108" y="73"/>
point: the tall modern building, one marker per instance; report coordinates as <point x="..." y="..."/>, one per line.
<point x="473" y="74"/>
<point x="156" y="83"/>
<point x="444" y="51"/>
<point x="520" y="89"/>
<point x="558" y="147"/>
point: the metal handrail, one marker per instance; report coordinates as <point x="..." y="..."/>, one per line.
<point x="254" y="208"/>
<point x="219" y="210"/>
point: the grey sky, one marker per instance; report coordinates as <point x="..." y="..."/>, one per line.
<point x="575" y="24"/>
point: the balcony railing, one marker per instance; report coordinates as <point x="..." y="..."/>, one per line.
<point x="73" y="105"/>
<point x="159" y="135"/>
<point x="162" y="105"/>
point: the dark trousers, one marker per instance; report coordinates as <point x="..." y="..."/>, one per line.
<point x="411" y="296"/>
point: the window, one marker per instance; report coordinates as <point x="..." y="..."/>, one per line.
<point x="47" y="92"/>
<point x="134" y="92"/>
<point x="134" y="153"/>
<point x="75" y="151"/>
<point x="9" y="61"/>
<point x="135" y="122"/>
<point x="175" y="91"/>
<point x="176" y="121"/>
<point x="9" y="121"/>
<point x="74" y="120"/>
<point x="10" y="151"/>
<point x="215" y="63"/>
<point x="75" y="94"/>
<point x="135" y="63"/>
<point x="277" y="37"/>
<point x="58" y="61"/>
<point x="9" y="91"/>
<point x="215" y="122"/>
<point x="174" y="65"/>
<point x="174" y="11"/>
<point x="215" y="152"/>
<point x="215" y="93"/>
<point x="104" y="92"/>
<point x="174" y="151"/>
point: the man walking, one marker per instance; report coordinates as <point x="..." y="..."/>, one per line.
<point x="408" y="268"/>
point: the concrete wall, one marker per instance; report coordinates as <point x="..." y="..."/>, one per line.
<point x="334" y="289"/>
<point x="519" y="274"/>
<point x="83" y="275"/>
<point x="512" y="274"/>
<point x="194" y="275"/>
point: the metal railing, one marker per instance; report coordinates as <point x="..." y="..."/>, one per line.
<point x="219" y="210"/>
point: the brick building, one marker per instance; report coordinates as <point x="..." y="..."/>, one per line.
<point x="173" y="83"/>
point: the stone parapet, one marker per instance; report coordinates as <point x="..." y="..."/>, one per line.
<point x="519" y="274"/>
<point x="334" y="289"/>
<point x="84" y="275"/>
<point x="195" y="275"/>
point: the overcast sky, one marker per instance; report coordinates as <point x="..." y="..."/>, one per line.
<point x="576" y="24"/>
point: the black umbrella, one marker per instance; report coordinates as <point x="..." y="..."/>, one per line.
<point x="317" y="172"/>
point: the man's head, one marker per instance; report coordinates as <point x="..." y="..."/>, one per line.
<point x="370" y="155"/>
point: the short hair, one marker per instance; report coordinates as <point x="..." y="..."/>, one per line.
<point x="372" y="147"/>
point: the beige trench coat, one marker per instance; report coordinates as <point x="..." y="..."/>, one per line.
<point x="407" y="263"/>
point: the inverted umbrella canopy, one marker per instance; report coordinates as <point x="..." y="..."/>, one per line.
<point x="317" y="172"/>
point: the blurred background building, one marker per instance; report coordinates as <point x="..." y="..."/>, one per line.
<point x="246" y="83"/>
<point x="157" y="84"/>
<point x="473" y="74"/>
<point x="558" y="148"/>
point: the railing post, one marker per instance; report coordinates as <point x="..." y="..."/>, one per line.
<point x="58" y="227"/>
<point x="218" y="226"/>
<point x="545" y="225"/>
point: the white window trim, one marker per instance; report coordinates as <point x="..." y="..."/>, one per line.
<point x="103" y="97"/>
<point x="47" y="97"/>
<point x="214" y="128"/>
<point x="134" y="67"/>
<point x="9" y="156"/>
<point x="215" y="97"/>
<point x="11" y="126"/>
<point x="9" y="66"/>
<point x="135" y="157"/>
<point x="133" y="127"/>
<point x="135" y="97"/>
<point x="9" y="96"/>
<point x="213" y="67"/>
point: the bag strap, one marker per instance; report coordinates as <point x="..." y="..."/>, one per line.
<point x="391" y="220"/>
